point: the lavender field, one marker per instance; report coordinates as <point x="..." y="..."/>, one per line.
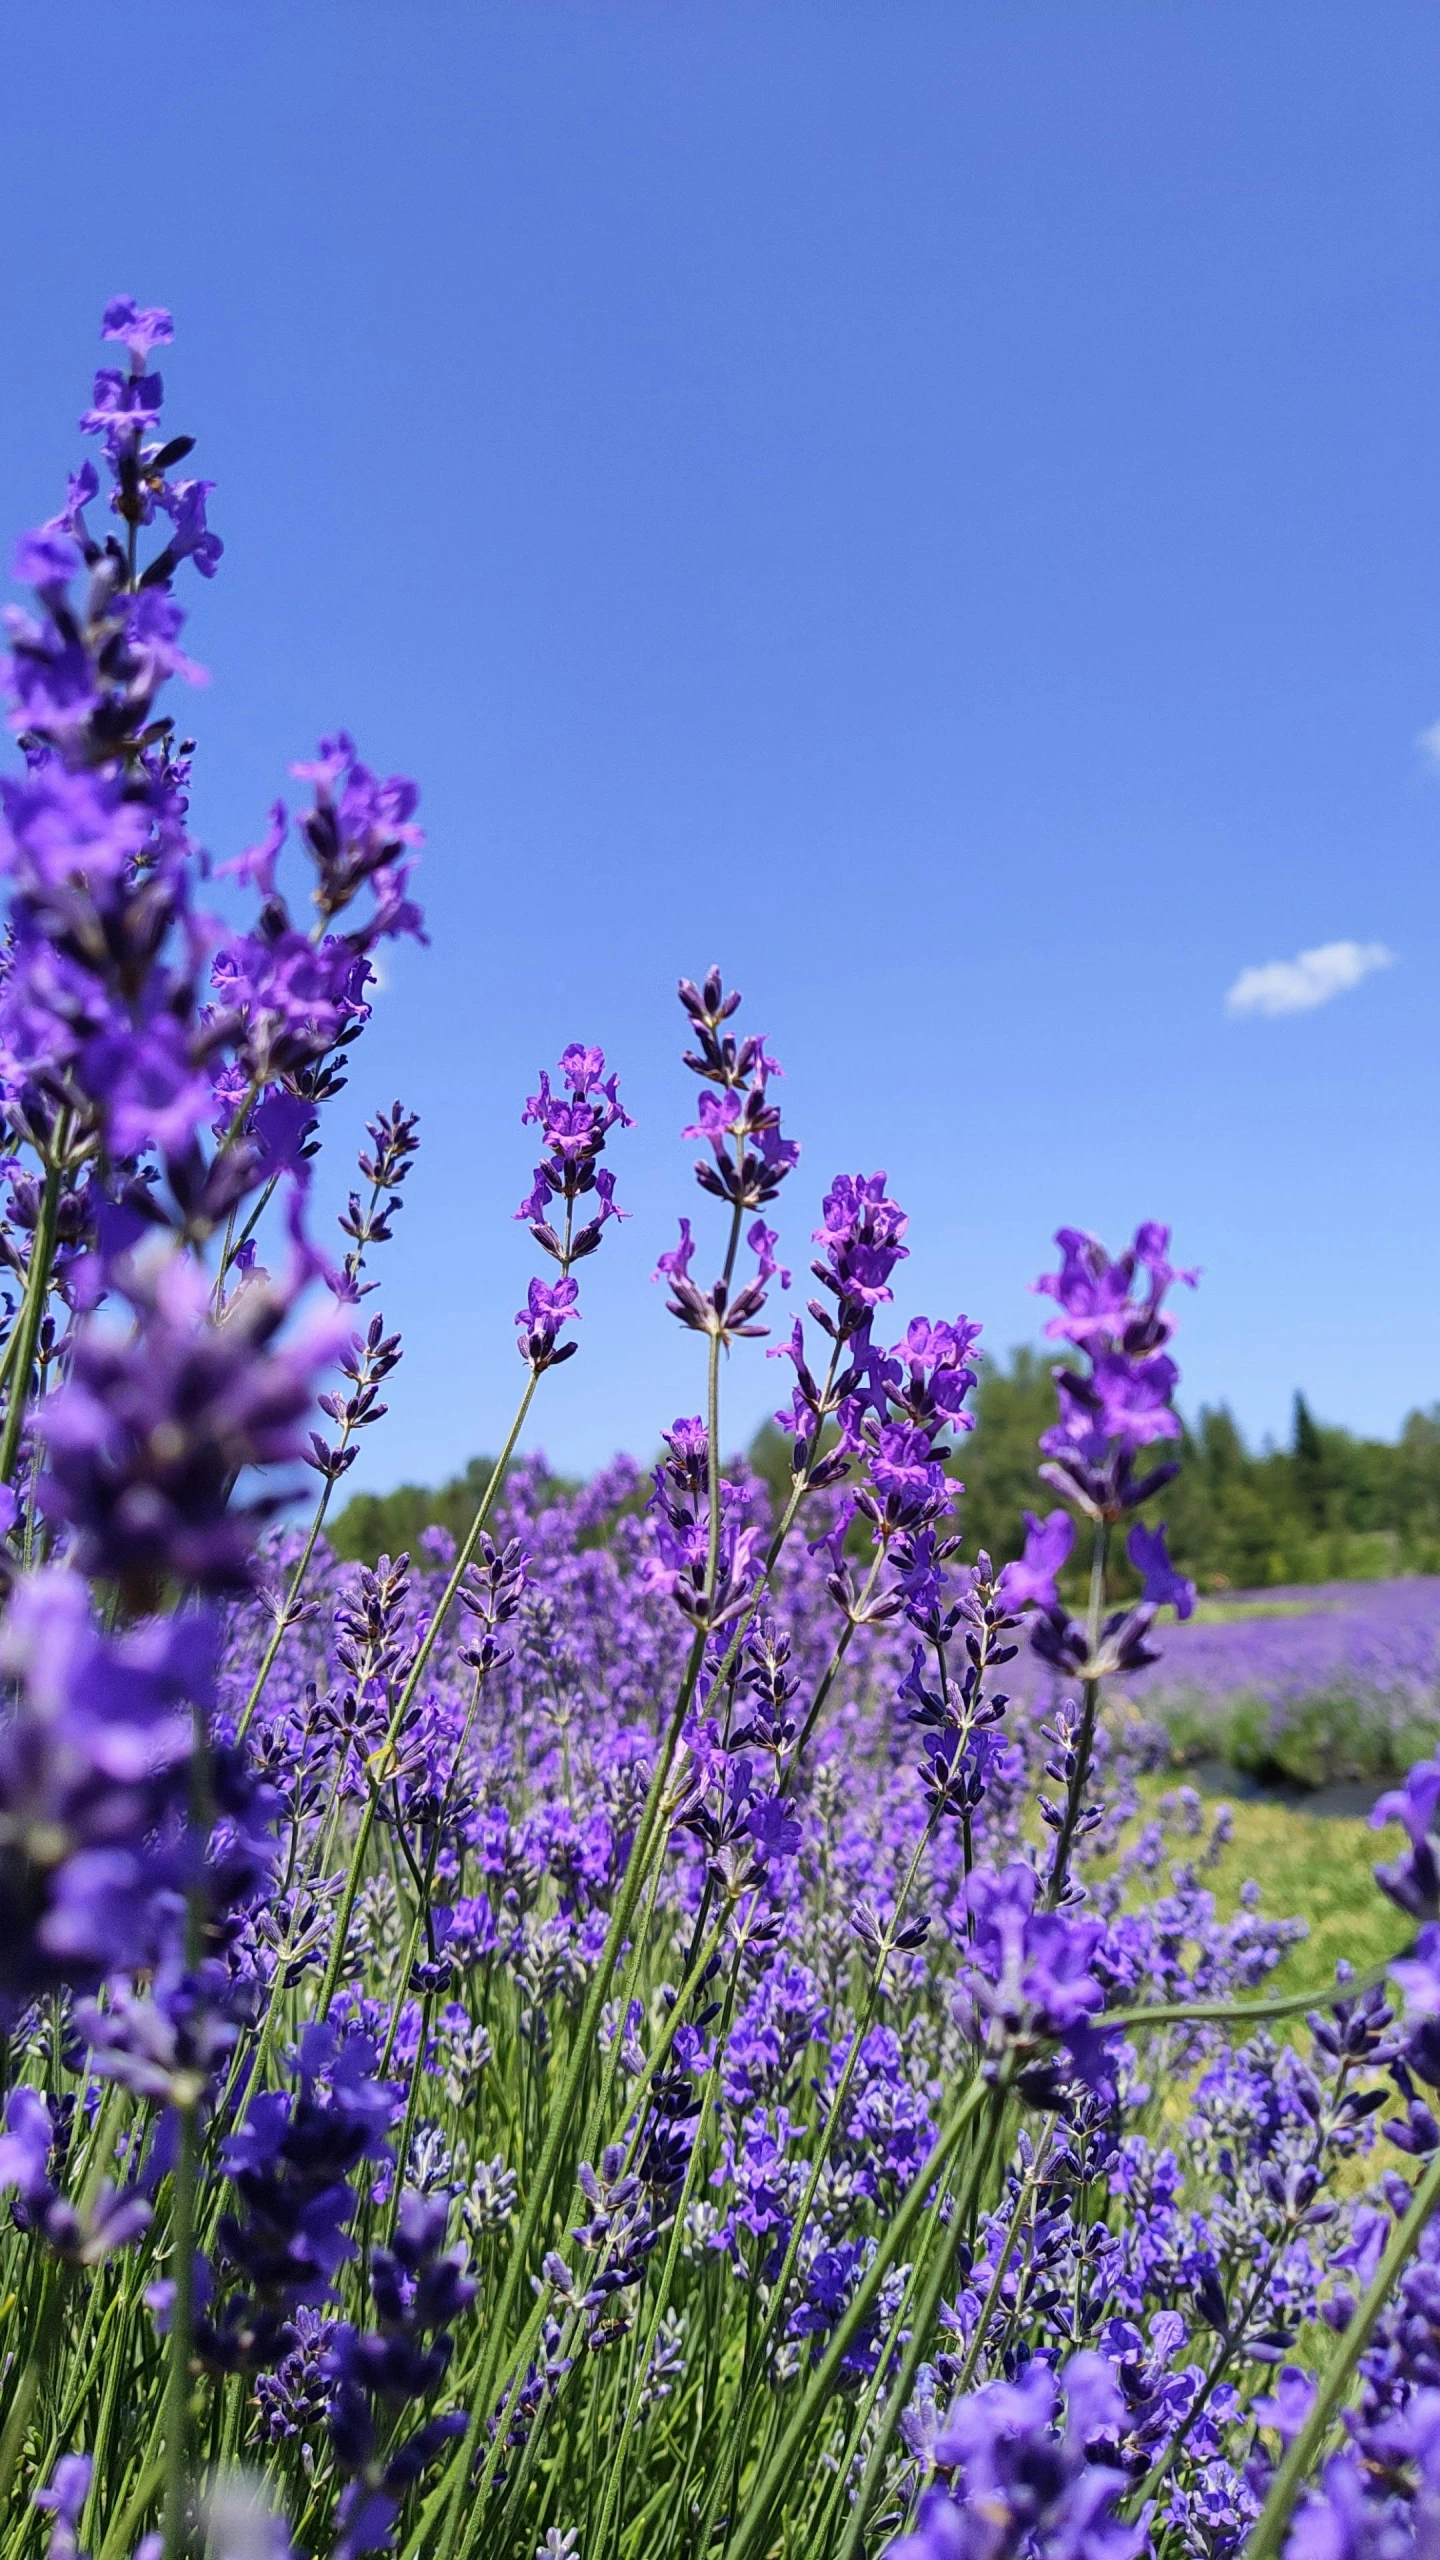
<point x="1320" y="1684"/>
<point x="689" y="2023"/>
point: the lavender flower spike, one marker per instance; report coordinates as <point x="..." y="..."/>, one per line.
<point x="1413" y="1881"/>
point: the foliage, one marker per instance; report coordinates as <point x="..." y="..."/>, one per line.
<point x="1344" y="1688"/>
<point x="376" y="1524"/>
<point x="1331" y="1507"/>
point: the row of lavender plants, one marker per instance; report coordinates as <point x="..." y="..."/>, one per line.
<point x="1336" y="1681"/>
<point x="581" y="2046"/>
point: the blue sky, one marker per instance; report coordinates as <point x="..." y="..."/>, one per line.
<point x="936" y="507"/>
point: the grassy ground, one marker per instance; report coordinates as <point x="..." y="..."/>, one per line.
<point x="1320" y="1869"/>
<point x="1316" y="1868"/>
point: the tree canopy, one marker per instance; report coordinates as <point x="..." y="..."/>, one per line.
<point x="1328" y="1506"/>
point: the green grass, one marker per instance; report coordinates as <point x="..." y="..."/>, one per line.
<point x="1319" y="1870"/>
<point x="1308" y="1867"/>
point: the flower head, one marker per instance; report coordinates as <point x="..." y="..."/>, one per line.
<point x="1414" y="1880"/>
<point x="1031" y="1581"/>
<point x="1021" y="2474"/>
<point x="147" y="1436"/>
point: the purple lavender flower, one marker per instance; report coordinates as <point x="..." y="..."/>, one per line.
<point x="293" y="2399"/>
<point x="79" y="2236"/>
<point x="1288" y="2406"/>
<point x="748" y="1161"/>
<point x="862" y="1245"/>
<point x="282" y="1004"/>
<point x="361" y="832"/>
<point x="419" y="2289"/>
<point x="93" y="1782"/>
<point x="491" y="1595"/>
<point x="1385" y="2506"/>
<point x="1414" y="1881"/>
<point x="1031" y="1580"/>
<point x="1021" y="2473"/>
<point x="1164" y="1587"/>
<point x="64" y="2498"/>
<point x="290" y="2166"/>
<point x="171" y="2046"/>
<point x="1030" y="1977"/>
<point x="679" y="1511"/>
<point x="106" y="1049"/>
<point x="574" y="1125"/>
<point x="145" y="1440"/>
<point x="548" y="1305"/>
<point x="139" y="332"/>
<point x="1124" y="1399"/>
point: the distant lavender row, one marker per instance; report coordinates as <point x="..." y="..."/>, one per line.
<point x="1343" y="1681"/>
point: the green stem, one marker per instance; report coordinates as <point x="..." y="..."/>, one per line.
<point x="1237" y="2327"/>
<point x="7" y="1356"/>
<point x="1085" y="1739"/>
<point x="122" y="2531"/>
<point x="600" y="2545"/>
<point x="412" y="2102"/>
<point x="1166" y="2013"/>
<point x="975" y="2349"/>
<point x="100" y="2444"/>
<point x="712" y="1407"/>
<point x="353" y="1263"/>
<point x="757" y="2344"/>
<point x="449" y="2492"/>
<point x="563" y="2111"/>
<point x="927" y="2310"/>
<point x="18" y="2416"/>
<point x="597" y="2115"/>
<point x="406" y="1698"/>
<point x="1303" y="2450"/>
<point x="27" y="1331"/>
<point x="251" y="1223"/>
<point x="558" y="2127"/>
<point x="656" y="2059"/>
<point x="182" y="2321"/>
<point x="284" y="1621"/>
<point x="754" y="2534"/>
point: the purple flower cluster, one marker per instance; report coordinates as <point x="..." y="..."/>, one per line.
<point x="574" y="1124"/>
<point x="418" y="2290"/>
<point x="145" y="1440"/>
<point x="94" y="1778"/>
<point x="289" y="2165"/>
<point x="1122" y="1399"/>
<point x="80" y="2236"/>
<point x="748" y="1161"/>
<point x="1329" y="1683"/>
<point x="114" y="1054"/>
<point x="1025" y="2472"/>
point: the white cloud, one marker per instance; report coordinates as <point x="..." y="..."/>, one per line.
<point x="1313" y="977"/>
<point x="1428" y="742"/>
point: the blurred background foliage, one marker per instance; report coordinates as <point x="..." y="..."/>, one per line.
<point x="1327" y="1507"/>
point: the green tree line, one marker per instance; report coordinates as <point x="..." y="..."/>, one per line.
<point x="1329" y="1506"/>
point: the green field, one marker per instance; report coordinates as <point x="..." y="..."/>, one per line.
<point x="1315" y="1868"/>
